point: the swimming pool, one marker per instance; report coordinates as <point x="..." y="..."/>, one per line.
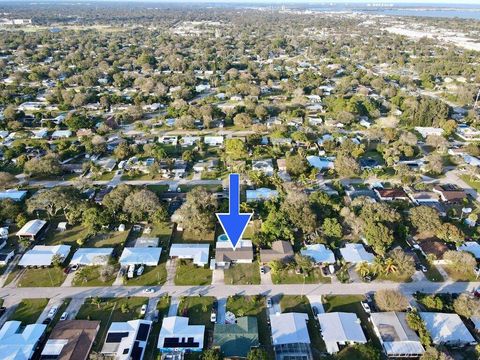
<point x="222" y="237"/>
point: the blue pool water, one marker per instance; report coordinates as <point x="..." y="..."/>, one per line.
<point x="222" y="237"/>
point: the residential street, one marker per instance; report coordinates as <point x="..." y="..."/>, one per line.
<point x="13" y="296"/>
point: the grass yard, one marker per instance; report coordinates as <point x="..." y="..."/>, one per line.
<point x="351" y="303"/>
<point x="163" y="232"/>
<point x="253" y="306"/>
<point x="158" y="189"/>
<point x="189" y="274"/>
<point x="208" y="187"/>
<point x="297" y="303"/>
<point x="29" y="310"/>
<point x="286" y="276"/>
<point x="198" y="309"/>
<point x="108" y="310"/>
<point x="90" y="276"/>
<point x="67" y="237"/>
<point x="188" y="237"/>
<point x="109" y="239"/>
<point x="243" y="274"/>
<point x="42" y="277"/>
<point x="456" y="275"/>
<point x="472" y="182"/>
<point x="151" y="352"/>
<point x="152" y="275"/>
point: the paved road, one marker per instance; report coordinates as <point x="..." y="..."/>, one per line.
<point x="15" y="295"/>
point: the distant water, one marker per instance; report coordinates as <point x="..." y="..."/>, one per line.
<point x="461" y="11"/>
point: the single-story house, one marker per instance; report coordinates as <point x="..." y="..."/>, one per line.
<point x="424" y="197"/>
<point x="177" y="335"/>
<point x="340" y="328"/>
<point x="189" y="140"/>
<point x="450" y="193"/>
<point x="58" y="134"/>
<point x="91" y="256"/>
<point x="42" y="255"/>
<point x="428" y="131"/>
<point x="468" y="133"/>
<point x="356" y="253"/>
<point x="140" y="256"/>
<point x="265" y="166"/>
<point x="5" y="256"/>
<point x="391" y="194"/>
<point x="15" y="195"/>
<point x="197" y="252"/>
<point x="32" y="229"/>
<point x="261" y="194"/>
<point x="17" y="342"/>
<point x="170" y="140"/>
<point x="447" y="329"/>
<point x="225" y="255"/>
<point x="432" y="246"/>
<point x="396" y="337"/>
<point x="146" y="242"/>
<point x="236" y="340"/>
<point x="127" y="340"/>
<point x="205" y="166"/>
<point x="71" y="340"/>
<point x="472" y="247"/>
<point x="213" y="140"/>
<point x="320" y="163"/>
<point x="290" y="335"/>
<point x="281" y="250"/>
<point x="319" y="253"/>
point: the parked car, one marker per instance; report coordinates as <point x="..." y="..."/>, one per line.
<point x="64" y="316"/>
<point x="315" y="311"/>
<point x="66" y="270"/>
<point x="74" y="267"/>
<point x="423" y="268"/>
<point x="213" y="317"/>
<point x="262" y="270"/>
<point x="2" y="310"/>
<point x="47" y="321"/>
<point x="140" y="270"/>
<point x="143" y="310"/>
<point x="366" y="307"/>
<point x="52" y="312"/>
<point x="269" y="302"/>
<point x="149" y="291"/>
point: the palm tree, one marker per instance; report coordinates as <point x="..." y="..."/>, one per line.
<point x="96" y="301"/>
<point x="363" y="269"/>
<point x="377" y="266"/>
<point x="390" y="266"/>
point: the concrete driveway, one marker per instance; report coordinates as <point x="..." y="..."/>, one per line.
<point x="221" y="310"/>
<point x="51" y="304"/>
<point x="266" y="278"/>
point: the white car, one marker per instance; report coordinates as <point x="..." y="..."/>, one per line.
<point x="64" y="316"/>
<point x="52" y="312"/>
<point x="74" y="267"/>
<point x="213" y="317"/>
<point x="269" y="303"/>
<point x="149" y="291"/>
<point x="143" y="310"/>
<point x="366" y="307"/>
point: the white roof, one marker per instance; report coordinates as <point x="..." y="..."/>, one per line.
<point x="129" y="331"/>
<point x="91" y="256"/>
<point x="31" y="228"/>
<point x="320" y="163"/>
<point x="197" y="252"/>
<point x="395" y="335"/>
<point x="42" y="255"/>
<point x="446" y="328"/>
<point x="62" y="133"/>
<point x="54" y="347"/>
<point x="178" y="327"/>
<point x="16" y="345"/>
<point x="319" y="253"/>
<point x="341" y="327"/>
<point x="146" y="242"/>
<point x="355" y="253"/>
<point x="261" y="194"/>
<point x="472" y="247"/>
<point x="228" y="245"/>
<point x="289" y="328"/>
<point x="149" y="256"/>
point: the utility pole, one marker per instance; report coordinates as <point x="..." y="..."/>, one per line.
<point x="476" y="99"/>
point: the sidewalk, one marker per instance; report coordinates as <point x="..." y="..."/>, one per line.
<point x="9" y="269"/>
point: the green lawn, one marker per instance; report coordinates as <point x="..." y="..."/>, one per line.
<point x="472" y="182"/>
<point x="89" y="276"/>
<point x="152" y="275"/>
<point x="157" y="188"/>
<point x="109" y="310"/>
<point x="253" y="306"/>
<point x="297" y="303"/>
<point x="285" y="276"/>
<point x="42" y="277"/>
<point x="108" y="239"/>
<point x="163" y="232"/>
<point x="243" y="274"/>
<point x="209" y="188"/>
<point x="29" y="310"/>
<point x="456" y="275"/>
<point x="189" y="274"/>
<point x="67" y="237"/>
<point x="188" y="237"/>
<point x="352" y="304"/>
<point x="197" y="309"/>
<point x="151" y="352"/>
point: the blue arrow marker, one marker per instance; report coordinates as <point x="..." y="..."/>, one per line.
<point x="234" y="223"/>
